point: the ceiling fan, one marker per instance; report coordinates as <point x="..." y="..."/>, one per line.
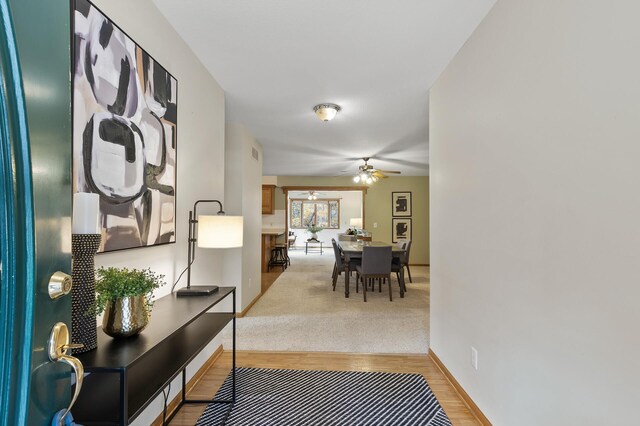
<point x="369" y="174"/>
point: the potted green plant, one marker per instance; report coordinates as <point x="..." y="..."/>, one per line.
<point x="313" y="230"/>
<point x="126" y="298"/>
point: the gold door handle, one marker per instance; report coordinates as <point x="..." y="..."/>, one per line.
<point x="57" y="349"/>
<point x="72" y="346"/>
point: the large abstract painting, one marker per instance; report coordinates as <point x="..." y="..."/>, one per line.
<point x="124" y="132"/>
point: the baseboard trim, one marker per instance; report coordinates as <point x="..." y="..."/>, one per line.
<point x="464" y="396"/>
<point x="419" y="264"/>
<point x="246" y="310"/>
<point x="328" y="353"/>
<point x="173" y="405"/>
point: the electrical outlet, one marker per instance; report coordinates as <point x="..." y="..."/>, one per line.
<point x="474" y="357"/>
<point x="375" y="224"/>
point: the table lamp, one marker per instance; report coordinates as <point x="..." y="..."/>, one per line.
<point x="210" y="231"/>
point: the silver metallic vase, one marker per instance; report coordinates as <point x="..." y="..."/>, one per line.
<point x="125" y="317"/>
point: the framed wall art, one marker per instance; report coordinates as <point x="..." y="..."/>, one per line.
<point x="401" y="204"/>
<point x="401" y="229"/>
<point x="124" y="132"/>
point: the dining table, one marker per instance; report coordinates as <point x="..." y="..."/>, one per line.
<point x="353" y="249"/>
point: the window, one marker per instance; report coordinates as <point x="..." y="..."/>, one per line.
<point x="323" y="213"/>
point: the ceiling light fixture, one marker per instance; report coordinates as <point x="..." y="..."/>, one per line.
<point x="367" y="174"/>
<point x="365" y="177"/>
<point x="312" y="196"/>
<point x="326" y="112"/>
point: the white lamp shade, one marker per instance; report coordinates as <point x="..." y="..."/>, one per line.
<point x="220" y="231"/>
<point x="356" y="222"/>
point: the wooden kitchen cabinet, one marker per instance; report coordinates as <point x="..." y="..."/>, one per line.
<point x="268" y="198"/>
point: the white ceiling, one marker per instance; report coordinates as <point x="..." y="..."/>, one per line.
<point x="377" y="59"/>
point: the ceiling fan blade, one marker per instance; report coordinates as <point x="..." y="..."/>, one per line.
<point x="390" y="172"/>
<point x="378" y="174"/>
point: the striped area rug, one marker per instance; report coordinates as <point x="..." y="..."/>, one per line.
<point x="270" y="397"/>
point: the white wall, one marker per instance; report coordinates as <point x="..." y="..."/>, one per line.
<point x="350" y="207"/>
<point x="276" y="220"/>
<point x="243" y="196"/>
<point x="269" y="180"/>
<point x="535" y="207"/>
<point x="200" y="156"/>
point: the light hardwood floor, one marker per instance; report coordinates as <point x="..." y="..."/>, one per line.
<point x="269" y="278"/>
<point x="213" y="378"/>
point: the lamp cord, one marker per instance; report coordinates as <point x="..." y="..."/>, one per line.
<point x="181" y="274"/>
<point x="164" y="411"/>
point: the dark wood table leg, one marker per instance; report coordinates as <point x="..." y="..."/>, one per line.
<point x="402" y="285"/>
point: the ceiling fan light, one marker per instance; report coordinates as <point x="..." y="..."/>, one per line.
<point x="356" y="178"/>
<point x="369" y="180"/>
<point x="326" y="112"/>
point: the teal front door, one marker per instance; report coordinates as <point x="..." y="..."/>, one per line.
<point x="35" y="205"/>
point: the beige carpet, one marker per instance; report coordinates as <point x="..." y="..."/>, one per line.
<point x="300" y="312"/>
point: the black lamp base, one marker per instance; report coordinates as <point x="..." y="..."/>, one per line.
<point x="198" y="290"/>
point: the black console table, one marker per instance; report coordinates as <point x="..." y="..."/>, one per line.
<point x="125" y="375"/>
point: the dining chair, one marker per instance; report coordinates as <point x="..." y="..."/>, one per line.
<point x="340" y="265"/>
<point x="376" y="263"/>
<point x="397" y="268"/>
<point x="403" y="259"/>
